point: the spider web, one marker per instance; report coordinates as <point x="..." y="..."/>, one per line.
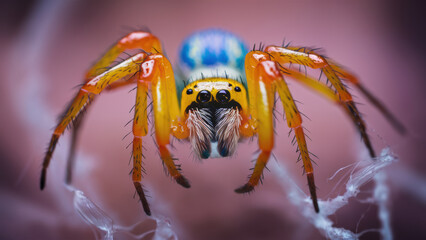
<point x="104" y="228"/>
<point x="364" y="171"/>
<point x="361" y="173"/>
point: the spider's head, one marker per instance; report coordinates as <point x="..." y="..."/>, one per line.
<point x="213" y="93"/>
<point x="212" y="108"/>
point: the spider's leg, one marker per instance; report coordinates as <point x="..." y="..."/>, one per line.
<point x="157" y="70"/>
<point x="262" y="87"/>
<point x="80" y="101"/>
<point x="375" y="101"/>
<point x="283" y="55"/>
<point x="323" y="89"/>
<point x="140" y="129"/>
<point x="134" y="40"/>
<point x="127" y="68"/>
<point x="344" y="74"/>
<point x="312" y="83"/>
<point x="77" y="124"/>
<point x="294" y="121"/>
<point x="264" y="78"/>
<point x="74" y="136"/>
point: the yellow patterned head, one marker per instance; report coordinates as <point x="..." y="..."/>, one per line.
<point x="214" y="93"/>
<point x="212" y="108"/>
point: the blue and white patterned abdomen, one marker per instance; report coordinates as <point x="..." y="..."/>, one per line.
<point x="212" y="53"/>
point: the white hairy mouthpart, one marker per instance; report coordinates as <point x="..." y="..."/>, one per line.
<point x="202" y="131"/>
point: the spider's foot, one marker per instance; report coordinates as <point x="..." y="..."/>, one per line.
<point x="183" y="181"/>
<point x="43" y="179"/>
<point x="245" y="188"/>
<point x="313" y="192"/>
<point x="142" y="197"/>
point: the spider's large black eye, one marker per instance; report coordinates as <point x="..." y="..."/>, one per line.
<point x="204" y="96"/>
<point x="223" y="96"/>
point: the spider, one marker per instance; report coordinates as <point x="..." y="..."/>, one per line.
<point x="229" y="93"/>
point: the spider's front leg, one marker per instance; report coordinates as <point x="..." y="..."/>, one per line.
<point x="134" y="40"/>
<point x="85" y="95"/>
<point x="156" y="70"/>
<point x="263" y="79"/>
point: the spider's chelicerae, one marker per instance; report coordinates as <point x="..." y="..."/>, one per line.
<point x="228" y="95"/>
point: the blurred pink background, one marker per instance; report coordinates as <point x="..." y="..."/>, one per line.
<point x="48" y="45"/>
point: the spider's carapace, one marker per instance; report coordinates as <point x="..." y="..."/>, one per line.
<point x="224" y="93"/>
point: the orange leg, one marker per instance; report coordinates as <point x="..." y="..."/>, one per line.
<point x="375" y="101"/>
<point x="140" y="129"/>
<point x="285" y="55"/>
<point x="294" y="121"/>
<point x="349" y="107"/>
<point x="323" y="89"/>
<point x="354" y="80"/>
<point x="264" y="105"/>
<point x="134" y="40"/>
<point x="157" y="70"/>
<point x="80" y="101"/>
<point x="84" y="96"/>
<point x="266" y="80"/>
<point x="76" y="127"/>
<point x="74" y="137"/>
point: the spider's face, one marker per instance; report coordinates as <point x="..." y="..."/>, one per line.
<point x="212" y="109"/>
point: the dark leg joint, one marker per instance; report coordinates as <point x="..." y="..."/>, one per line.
<point x="43" y="179"/>
<point x="47" y="158"/>
<point x="183" y="181"/>
<point x="142" y="197"/>
<point x="369" y="146"/>
<point x="353" y="111"/>
<point x="313" y="192"/>
<point x="245" y="188"/>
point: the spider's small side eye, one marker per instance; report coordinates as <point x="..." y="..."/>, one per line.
<point x="189" y="91"/>
<point x="230" y="85"/>
<point x="237" y="89"/>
